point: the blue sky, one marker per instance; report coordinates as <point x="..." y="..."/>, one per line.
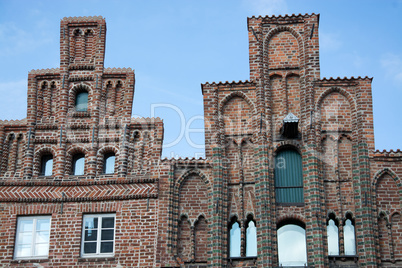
<point x="174" y="46"/>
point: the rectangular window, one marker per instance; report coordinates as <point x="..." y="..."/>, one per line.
<point x="98" y="235"/>
<point x="32" y="239"/>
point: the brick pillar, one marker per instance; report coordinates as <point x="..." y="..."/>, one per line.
<point x="29" y="155"/>
<point x="265" y="244"/>
<point x="218" y="219"/>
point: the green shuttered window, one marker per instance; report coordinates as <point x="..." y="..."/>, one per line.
<point x="288" y="177"/>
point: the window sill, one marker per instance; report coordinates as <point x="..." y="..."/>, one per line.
<point x="80" y="114"/>
<point x="96" y="259"/>
<point x="343" y="257"/>
<point x="233" y="259"/>
<point x="30" y="260"/>
<point x="290" y="204"/>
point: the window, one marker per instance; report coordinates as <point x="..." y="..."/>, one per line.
<point x="235" y="238"/>
<point x="46" y="165"/>
<point x="288" y="177"/>
<point x="98" y="235"/>
<point x="333" y="237"/>
<point x="292" y="250"/>
<point x="251" y="239"/>
<point x="32" y="239"/>
<point x="81" y="101"/>
<point x="349" y="237"/>
<point x="108" y="163"/>
<point x="78" y="164"/>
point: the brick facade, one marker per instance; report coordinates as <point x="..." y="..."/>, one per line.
<point x="179" y="212"/>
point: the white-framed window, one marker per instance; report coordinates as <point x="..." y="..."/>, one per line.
<point x="251" y="239"/>
<point x="108" y="163"/>
<point x="234" y="238"/>
<point x="98" y="235"/>
<point x="32" y="238"/>
<point x="292" y="248"/>
<point x="78" y="164"/>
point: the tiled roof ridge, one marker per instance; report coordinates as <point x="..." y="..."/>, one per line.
<point x="83" y="18"/>
<point x="117" y="70"/>
<point x="13" y="122"/>
<point x="48" y="70"/>
<point x="286" y="16"/>
<point x="345" y="78"/>
<point x="146" y="119"/>
<point x="227" y="83"/>
<point x="186" y="159"/>
<point x="388" y="152"/>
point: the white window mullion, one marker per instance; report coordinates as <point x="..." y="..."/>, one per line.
<point x="98" y="242"/>
<point x="33" y="238"/>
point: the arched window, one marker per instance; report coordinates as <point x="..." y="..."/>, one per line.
<point x="81" y="101"/>
<point x="108" y="163"/>
<point x="46" y="165"/>
<point x="292" y="250"/>
<point x="349" y="239"/>
<point x="78" y="164"/>
<point x="288" y="177"/>
<point x="235" y="238"/>
<point x="333" y="236"/>
<point x="251" y="238"/>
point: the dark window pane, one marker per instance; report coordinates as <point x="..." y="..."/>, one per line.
<point x="81" y="102"/>
<point x="107" y="234"/>
<point x="91" y="223"/>
<point x="91" y="235"/>
<point x="90" y="247"/>
<point x="108" y="222"/>
<point x="106" y="247"/>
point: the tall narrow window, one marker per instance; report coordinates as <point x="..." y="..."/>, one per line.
<point x="108" y="163"/>
<point x="235" y="238"/>
<point x="333" y="237"/>
<point x="292" y="250"/>
<point x="251" y="239"/>
<point x="288" y="177"/>
<point x="98" y="234"/>
<point x="349" y="237"/>
<point x="32" y="239"/>
<point x="46" y="165"/>
<point x="81" y="101"/>
<point x="78" y="164"/>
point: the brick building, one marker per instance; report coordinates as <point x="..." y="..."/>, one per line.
<point x="291" y="177"/>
